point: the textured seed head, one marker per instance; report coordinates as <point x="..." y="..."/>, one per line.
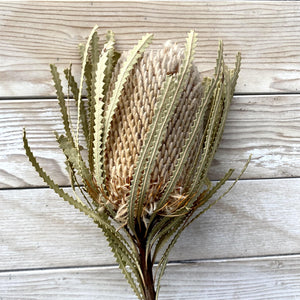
<point x="131" y="123"/>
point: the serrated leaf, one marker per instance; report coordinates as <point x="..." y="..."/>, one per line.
<point x="127" y="66"/>
<point x="209" y="195"/>
<point x="159" y="115"/>
<point x="214" y="189"/>
<point x="94" y="54"/>
<point x="164" y="259"/>
<point x="164" y="234"/>
<point x="195" y="130"/>
<point x="124" y="259"/>
<point x="209" y="85"/>
<point x="99" y="103"/>
<point x="53" y="185"/>
<point x="202" y="166"/>
<point x="84" y="61"/>
<point x="182" y="78"/>
<point x="75" y="91"/>
<point x="112" y="58"/>
<point x="167" y="103"/>
<point x="211" y="147"/>
<point x="61" y="101"/>
<point x="74" y="157"/>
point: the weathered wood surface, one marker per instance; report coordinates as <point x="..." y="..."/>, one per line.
<point x="253" y="278"/>
<point x="259" y="217"/>
<point x="36" y="33"/>
<point x="265" y="126"/>
<point x="247" y="246"/>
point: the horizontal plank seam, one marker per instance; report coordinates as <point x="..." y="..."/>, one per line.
<point x="41" y="187"/>
<point x="170" y="263"/>
<point x="25" y="98"/>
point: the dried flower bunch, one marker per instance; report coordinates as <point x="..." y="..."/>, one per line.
<point x="151" y="126"/>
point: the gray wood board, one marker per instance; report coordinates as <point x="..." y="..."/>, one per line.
<point x="36" y="33"/>
<point x="258" y="217"/>
<point x="265" y="126"/>
<point x="252" y="279"/>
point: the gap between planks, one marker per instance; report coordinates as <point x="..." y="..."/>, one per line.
<point x="265" y="126"/>
<point x="251" y="279"/>
<point x="170" y="263"/>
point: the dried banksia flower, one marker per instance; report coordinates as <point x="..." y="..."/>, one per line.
<point x="152" y="126"/>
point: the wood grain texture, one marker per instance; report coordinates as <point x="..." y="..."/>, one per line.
<point x="36" y="33"/>
<point x="258" y="217"/>
<point x="265" y="126"/>
<point x="246" y="247"/>
<point x="251" y="279"/>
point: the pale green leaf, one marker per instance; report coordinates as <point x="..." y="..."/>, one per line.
<point x="99" y="103"/>
<point x="75" y="91"/>
<point x="167" y="103"/>
<point x="61" y="101"/>
<point x="127" y="66"/>
<point x="84" y="61"/>
<point x="74" y="157"/>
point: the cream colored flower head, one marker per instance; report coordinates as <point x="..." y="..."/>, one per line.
<point x="130" y="125"/>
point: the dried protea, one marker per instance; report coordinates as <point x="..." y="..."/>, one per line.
<point x="152" y="126"/>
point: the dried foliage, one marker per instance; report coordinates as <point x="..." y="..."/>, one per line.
<point x="152" y="126"/>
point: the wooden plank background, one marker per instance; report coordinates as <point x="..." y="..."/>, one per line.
<point x="248" y="245"/>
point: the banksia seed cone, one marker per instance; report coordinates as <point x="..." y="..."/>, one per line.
<point x="152" y="126"/>
<point x="131" y="123"/>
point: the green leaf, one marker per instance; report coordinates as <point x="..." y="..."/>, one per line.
<point x="164" y="259"/>
<point x="126" y="259"/>
<point x="112" y="58"/>
<point x="209" y="195"/>
<point x="99" y="103"/>
<point x="195" y="130"/>
<point x="118" y="244"/>
<point x="75" y="91"/>
<point x="84" y="62"/>
<point x="127" y="66"/>
<point x="61" y="101"/>
<point x="160" y="114"/>
<point x="94" y="59"/>
<point x="166" y="105"/>
<point x="217" y="187"/>
<point x="74" y="157"/>
<point x="165" y="233"/>
<point x="54" y="186"/>
<point x="209" y="134"/>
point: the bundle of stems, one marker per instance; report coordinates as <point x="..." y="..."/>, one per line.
<point x="151" y="126"/>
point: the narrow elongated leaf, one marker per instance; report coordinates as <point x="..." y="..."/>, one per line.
<point x="124" y="260"/>
<point x="164" y="259"/>
<point x="165" y="234"/>
<point x="185" y="152"/>
<point x="167" y="103"/>
<point x="229" y="89"/>
<point x="127" y="66"/>
<point x="112" y="58"/>
<point x="217" y="187"/>
<point x="54" y="186"/>
<point x="61" y="101"/>
<point x="205" y="102"/>
<point x="163" y="103"/>
<point x="75" y="91"/>
<point x="84" y="61"/>
<point x="202" y="165"/>
<point x="74" y="157"/>
<point x="94" y="54"/>
<point x="182" y="77"/>
<point x="99" y="103"/>
<point x="99" y="219"/>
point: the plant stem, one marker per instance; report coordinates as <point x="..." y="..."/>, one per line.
<point x="146" y="267"/>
